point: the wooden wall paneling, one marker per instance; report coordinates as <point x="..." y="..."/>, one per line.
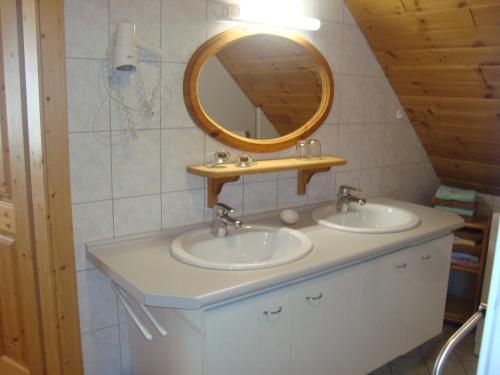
<point x="46" y="90"/>
<point x="460" y="149"/>
<point x="442" y="58"/>
<point x="48" y="303"/>
<point x="442" y="131"/>
<point x="58" y="185"/>
<point x="470" y="185"/>
<point x="476" y="56"/>
<point x="489" y="120"/>
<point x="451" y="104"/>
<point x="5" y="191"/>
<point x="453" y="38"/>
<point x="448" y="89"/>
<point x="491" y="74"/>
<point x="480" y="75"/>
<point x="420" y="21"/>
<point x="469" y="171"/>
<point x="486" y="15"/>
<point x="30" y="359"/>
<point x="428" y="5"/>
<point x="369" y="8"/>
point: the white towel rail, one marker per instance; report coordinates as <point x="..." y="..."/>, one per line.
<point x="131" y="312"/>
<point x="153" y="320"/>
<point x="122" y="294"/>
<point x="458" y="336"/>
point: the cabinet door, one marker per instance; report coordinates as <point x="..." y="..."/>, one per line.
<point x="325" y="318"/>
<point x="428" y="269"/>
<point x="250" y="337"/>
<point x="382" y="307"/>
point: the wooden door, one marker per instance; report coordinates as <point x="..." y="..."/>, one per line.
<point x="39" y="331"/>
<point x="20" y="331"/>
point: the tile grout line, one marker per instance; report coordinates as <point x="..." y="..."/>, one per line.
<point x="112" y="188"/>
<point x="161" y="118"/>
<point x="101" y="329"/>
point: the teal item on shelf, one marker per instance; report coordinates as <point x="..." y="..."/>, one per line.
<point x="456" y="194"/>
<point x="458" y="211"/>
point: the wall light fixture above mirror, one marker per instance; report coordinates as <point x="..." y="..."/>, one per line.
<point x="277" y="16"/>
<point x="258" y="89"/>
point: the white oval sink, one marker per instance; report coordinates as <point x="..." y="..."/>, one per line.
<point x="370" y="218"/>
<point x="250" y="247"/>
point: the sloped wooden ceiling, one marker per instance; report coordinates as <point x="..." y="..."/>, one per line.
<point x="277" y="75"/>
<point x="442" y="58"/>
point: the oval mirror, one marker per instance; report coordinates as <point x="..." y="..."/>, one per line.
<point x="258" y="89"/>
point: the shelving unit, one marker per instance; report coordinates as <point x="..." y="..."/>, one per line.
<point x="460" y="308"/>
<point x="306" y="168"/>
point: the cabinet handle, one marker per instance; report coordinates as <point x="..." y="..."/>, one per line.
<point x="270" y="313"/>
<point x="319" y="296"/>
<point x="399" y="266"/>
<point x="425" y="257"/>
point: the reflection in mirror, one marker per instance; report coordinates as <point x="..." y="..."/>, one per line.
<point x="261" y="86"/>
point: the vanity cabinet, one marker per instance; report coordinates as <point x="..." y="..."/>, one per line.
<point x="325" y="320"/>
<point x="348" y="321"/>
<point x="426" y="288"/>
<point x="250" y="337"/>
<point x="382" y="309"/>
<point x="402" y="300"/>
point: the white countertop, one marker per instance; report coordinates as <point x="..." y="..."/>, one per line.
<point x="143" y="266"/>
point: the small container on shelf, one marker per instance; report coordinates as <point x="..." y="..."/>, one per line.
<point x="301" y="150"/>
<point x="313" y="149"/>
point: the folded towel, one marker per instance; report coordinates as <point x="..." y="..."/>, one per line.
<point x="464" y="263"/>
<point x="463" y="241"/>
<point x="456" y="194"/>
<point x="465" y="256"/>
<point x="458" y="211"/>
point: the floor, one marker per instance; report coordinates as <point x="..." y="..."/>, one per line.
<point x="421" y="360"/>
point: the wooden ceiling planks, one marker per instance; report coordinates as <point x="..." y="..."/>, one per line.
<point x="277" y="75"/>
<point x="442" y="58"/>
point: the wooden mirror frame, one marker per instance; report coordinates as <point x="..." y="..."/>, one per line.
<point x="201" y="118"/>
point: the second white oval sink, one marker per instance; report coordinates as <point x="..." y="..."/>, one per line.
<point x="250" y="247"/>
<point x="370" y="218"/>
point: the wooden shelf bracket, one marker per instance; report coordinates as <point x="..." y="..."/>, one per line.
<point x="215" y="187"/>
<point x="305" y="175"/>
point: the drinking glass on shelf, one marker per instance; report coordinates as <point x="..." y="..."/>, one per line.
<point x="301" y="150"/>
<point x="313" y="149"/>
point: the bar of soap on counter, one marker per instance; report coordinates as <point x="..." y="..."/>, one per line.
<point x="289" y="216"/>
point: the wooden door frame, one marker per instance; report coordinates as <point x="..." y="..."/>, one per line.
<point x="46" y="111"/>
<point x="22" y="319"/>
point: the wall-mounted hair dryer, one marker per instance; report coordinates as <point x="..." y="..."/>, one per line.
<point x="127" y="45"/>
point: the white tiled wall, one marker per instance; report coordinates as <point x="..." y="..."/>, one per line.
<point x="123" y="185"/>
<point x="488" y="204"/>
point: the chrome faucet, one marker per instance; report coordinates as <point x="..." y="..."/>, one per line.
<point x="344" y="197"/>
<point x="222" y="220"/>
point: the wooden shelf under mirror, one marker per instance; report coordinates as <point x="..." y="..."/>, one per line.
<point x="223" y="173"/>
